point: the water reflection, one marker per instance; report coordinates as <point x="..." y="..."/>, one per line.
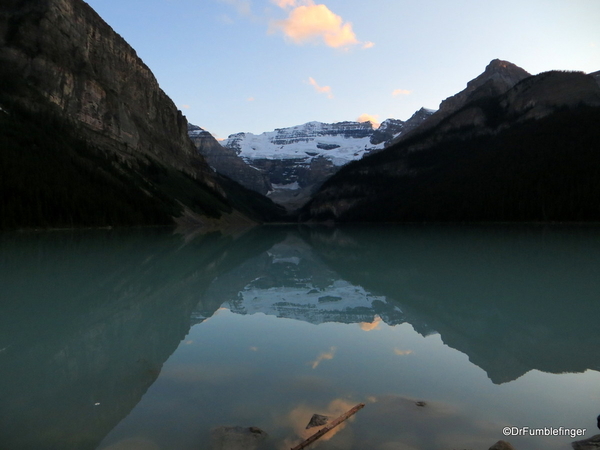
<point x="87" y="320"/>
<point x="512" y="298"/>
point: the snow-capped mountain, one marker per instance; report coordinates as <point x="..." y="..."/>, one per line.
<point x="297" y="160"/>
<point x="338" y="142"/>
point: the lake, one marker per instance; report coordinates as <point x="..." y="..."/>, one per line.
<point x="148" y="339"/>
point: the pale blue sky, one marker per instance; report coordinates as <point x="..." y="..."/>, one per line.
<point x="256" y="65"/>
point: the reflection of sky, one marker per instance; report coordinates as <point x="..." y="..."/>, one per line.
<point x="279" y="387"/>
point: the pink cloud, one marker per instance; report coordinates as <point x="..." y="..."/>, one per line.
<point x="321" y="89"/>
<point x="401" y="92"/>
<point x="374" y="119"/>
<point x="310" y="23"/>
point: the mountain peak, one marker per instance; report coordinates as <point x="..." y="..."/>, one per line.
<point x="505" y="73"/>
<point x="498" y="77"/>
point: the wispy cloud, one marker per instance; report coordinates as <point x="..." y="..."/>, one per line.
<point x="250" y="99"/>
<point x="309" y="22"/>
<point x="374" y="119"/>
<point x="226" y="19"/>
<point x="285" y="3"/>
<point x="397" y="92"/>
<point x="243" y="7"/>
<point x="402" y="352"/>
<point x="320" y="89"/>
<point x="322" y="357"/>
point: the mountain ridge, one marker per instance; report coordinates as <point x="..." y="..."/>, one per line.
<point x="288" y="164"/>
<point x="496" y="157"/>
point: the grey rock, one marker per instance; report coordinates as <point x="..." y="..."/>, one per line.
<point x="317" y="420"/>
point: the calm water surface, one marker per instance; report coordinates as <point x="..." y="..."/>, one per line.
<point x="143" y="339"/>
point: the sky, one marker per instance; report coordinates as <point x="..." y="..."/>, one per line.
<point x="255" y="65"/>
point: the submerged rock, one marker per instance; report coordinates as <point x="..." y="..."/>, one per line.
<point x="237" y="438"/>
<point x="502" y="445"/>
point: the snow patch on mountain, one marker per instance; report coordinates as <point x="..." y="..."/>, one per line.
<point x="339" y="142"/>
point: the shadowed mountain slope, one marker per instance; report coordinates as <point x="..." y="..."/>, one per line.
<point x="88" y="137"/>
<point x="529" y="154"/>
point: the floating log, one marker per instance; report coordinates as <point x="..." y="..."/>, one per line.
<point x="329" y="427"/>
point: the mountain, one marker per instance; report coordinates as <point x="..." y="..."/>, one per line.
<point x="491" y="153"/>
<point x="296" y="160"/>
<point x="88" y="137"/>
<point x="227" y="162"/>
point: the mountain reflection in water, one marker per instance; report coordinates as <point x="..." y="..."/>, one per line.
<point x="512" y="298"/>
<point x="88" y="320"/>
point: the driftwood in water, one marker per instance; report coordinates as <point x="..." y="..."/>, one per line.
<point x="329" y="427"/>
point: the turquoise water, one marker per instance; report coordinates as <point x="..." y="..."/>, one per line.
<point x="143" y="339"/>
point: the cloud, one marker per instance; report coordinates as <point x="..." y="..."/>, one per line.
<point x="402" y="352"/>
<point x="375" y="123"/>
<point x="368" y="44"/>
<point x="401" y="92"/>
<point x="243" y="7"/>
<point x="185" y="106"/>
<point x="226" y="19"/>
<point x="322" y="357"/>
<point x="310" y="22"/>
<point x="285" y="3"/>
<point x="366" y="326"/>
<point x="320" y="89"/>
<point x="250" y="99"/>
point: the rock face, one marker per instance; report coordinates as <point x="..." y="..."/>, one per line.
<point x="492" y="152"/>
<point x="62" y="66"/>
<point x="498" y="77"/>
<point x="295" y="161"/>
<point x="393" y="128"/>
<point x="227" y="162"/>
<point x="68" y="54"/>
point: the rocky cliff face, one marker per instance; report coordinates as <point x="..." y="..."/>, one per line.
<point x="227" y="162"/>
<point x="497" y="78"/>
<point x="62" y="66"/>
<point x="69" y="55"/>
